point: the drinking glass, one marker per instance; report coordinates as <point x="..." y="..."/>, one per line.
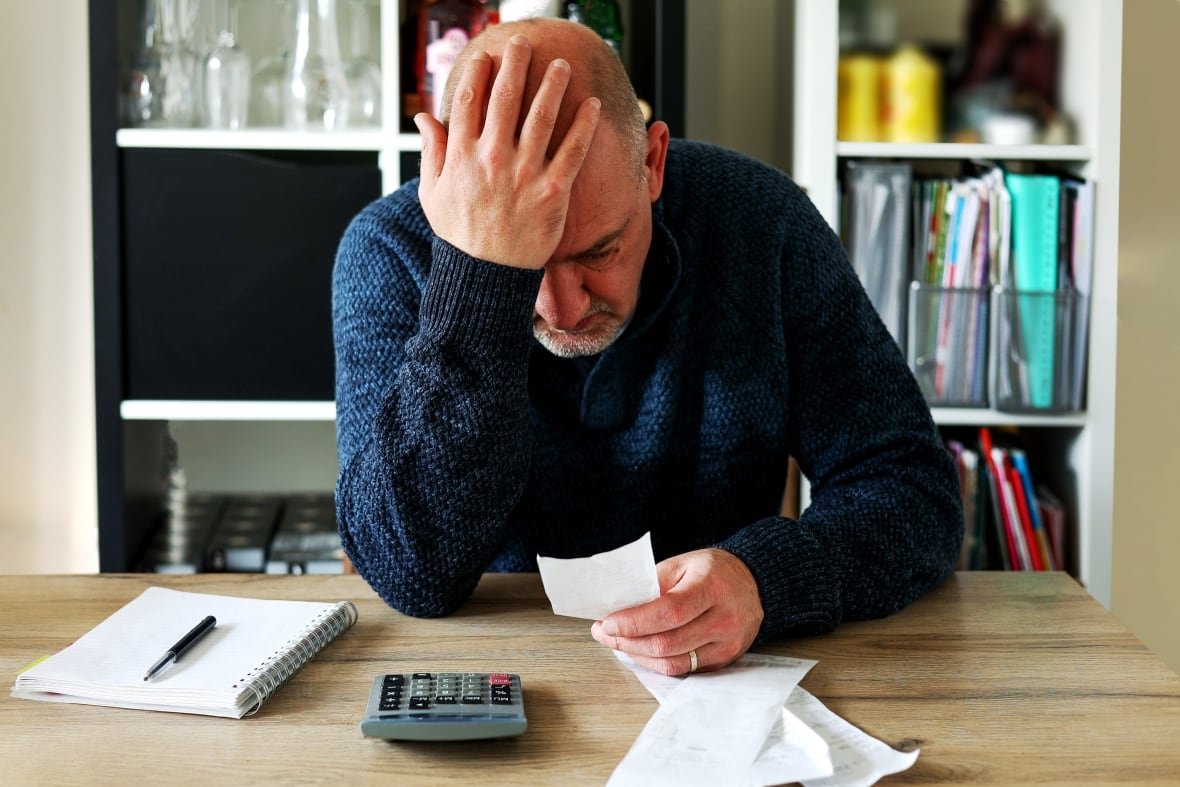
<point x="178" y="63"/>
<point x="362" y="72"/>
<point x="227" y="72"/>
<point x="269" y="81"/>
<point x="157" y="90"/>
<point x="139" y="92"/>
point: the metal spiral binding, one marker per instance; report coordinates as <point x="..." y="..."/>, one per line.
<point x="266" y="679"/>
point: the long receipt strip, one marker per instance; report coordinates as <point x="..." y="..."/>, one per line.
<point x="712" y="728"/>
<point x="807" y="744"/>
<point x="750" y="718"/>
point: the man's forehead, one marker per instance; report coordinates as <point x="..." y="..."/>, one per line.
<point x="595" y="223"/>
<point x="543" y="33"/>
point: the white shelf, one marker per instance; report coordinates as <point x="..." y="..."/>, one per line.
<point x="1090" y="95"/>
<point x="957" y="151"/>
<point x="409" y="142"/>
<point x="973" y="416"/>
<point x="254" y="139"/>
<point x="206" y="410"/>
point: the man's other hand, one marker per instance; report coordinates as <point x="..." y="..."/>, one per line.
<point x="484" y="190"/>
<point x="708" y="603"/>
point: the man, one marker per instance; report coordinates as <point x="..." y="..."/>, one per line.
<point x="572" y="331"/>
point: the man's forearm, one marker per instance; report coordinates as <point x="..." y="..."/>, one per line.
<point x="442" y="458"/>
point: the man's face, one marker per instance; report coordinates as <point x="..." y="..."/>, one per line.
<point x="591" y="284"/>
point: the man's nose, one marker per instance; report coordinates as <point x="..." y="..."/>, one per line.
<point x="563" y="300"/>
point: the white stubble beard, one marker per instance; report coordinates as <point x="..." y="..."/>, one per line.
<point x="567" y="344"/>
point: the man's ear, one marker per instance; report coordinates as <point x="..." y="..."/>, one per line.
<point x="657" y="154"/>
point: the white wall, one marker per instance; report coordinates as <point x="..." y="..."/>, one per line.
<point x="47" y="465"/>
<point x="734" y="88"/>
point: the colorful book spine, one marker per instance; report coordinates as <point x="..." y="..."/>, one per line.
<point x="1041" y="537"/>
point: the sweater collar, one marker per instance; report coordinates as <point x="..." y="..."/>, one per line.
<point x="611" y="391"/>
<point x="661" y="275"/>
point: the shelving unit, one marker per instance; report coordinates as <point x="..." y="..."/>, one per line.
<point x="962" y="151"/>
<point x="213" y="254"/>
<point x="258" y="139"/>
<point x="225" y="410"/>
<point x="1081" y="445"/>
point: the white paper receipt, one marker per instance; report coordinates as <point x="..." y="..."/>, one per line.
<point x="593" y="587"/>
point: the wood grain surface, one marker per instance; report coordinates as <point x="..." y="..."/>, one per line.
<point x="999" y="678"/>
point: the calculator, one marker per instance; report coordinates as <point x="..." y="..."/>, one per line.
<point x="445" y="706"/>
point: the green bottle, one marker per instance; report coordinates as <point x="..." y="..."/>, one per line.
<point x="601" y="16"/>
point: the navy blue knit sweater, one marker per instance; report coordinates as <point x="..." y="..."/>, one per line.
<point x="466" y="447"/>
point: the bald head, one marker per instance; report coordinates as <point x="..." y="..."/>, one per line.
<point x="595" y="70"/>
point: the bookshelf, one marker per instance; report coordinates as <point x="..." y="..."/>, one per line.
<point x="1079" y="447"/>
<point x="212" y="261"/>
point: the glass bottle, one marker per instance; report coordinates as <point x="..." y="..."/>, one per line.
<point x="362" y="73"/>
<point x="316" y="91"/>
<point x="157" y="90"/>
<point x="445" y="28"/>
<point x="911" y="101"/>
<point x="178" y="62"/>
<point x="602" y="16"/>
<point x="227" y="72"/>
<point x="139" y="92"/>
<point x="268" y="82"/>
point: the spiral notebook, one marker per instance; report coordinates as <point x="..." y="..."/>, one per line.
<point x="255" y="647"/>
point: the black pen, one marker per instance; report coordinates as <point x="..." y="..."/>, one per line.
<point x="187" y="641"/>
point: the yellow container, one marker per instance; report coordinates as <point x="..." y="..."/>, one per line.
<point x="858" y="98"/>
<point x="911" y="100"/>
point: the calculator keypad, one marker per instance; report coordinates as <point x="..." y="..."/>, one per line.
<point x="445" y="706"/>
<point x="425" y="690"/>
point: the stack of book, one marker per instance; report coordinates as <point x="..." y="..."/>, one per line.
<point x="1009" y="521"/>
<point x="960" y="246"/>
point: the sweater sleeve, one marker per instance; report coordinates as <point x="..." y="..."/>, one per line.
<point x="431" y="398"/>
<point x="885" y="522"/>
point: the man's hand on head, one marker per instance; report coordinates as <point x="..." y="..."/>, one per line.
<point x="708" y="603"/>
<point x="495" y="196"/>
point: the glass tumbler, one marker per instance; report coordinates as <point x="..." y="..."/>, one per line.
<point x="227" y="72"/>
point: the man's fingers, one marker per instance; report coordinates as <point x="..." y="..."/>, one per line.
<point x="671" y="654"/>
<point x="669" y="572"/>
<point x="467" y="103"/>
<point x="542" y="116"/>
<point x="571" y="153"/>
<point x="434" y="147"/>
<point x="508" y="90"/>
<point x="680" y="664"/>
<point x="709" y="604"/>
<point x="658" y="616"/>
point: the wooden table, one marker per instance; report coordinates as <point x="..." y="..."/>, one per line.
<point x="998" y="677"/>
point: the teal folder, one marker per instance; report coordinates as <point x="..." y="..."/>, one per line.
<point x="1035" y="208"/>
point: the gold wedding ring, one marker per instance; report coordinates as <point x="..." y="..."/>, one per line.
<point x="692" y="661"/>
